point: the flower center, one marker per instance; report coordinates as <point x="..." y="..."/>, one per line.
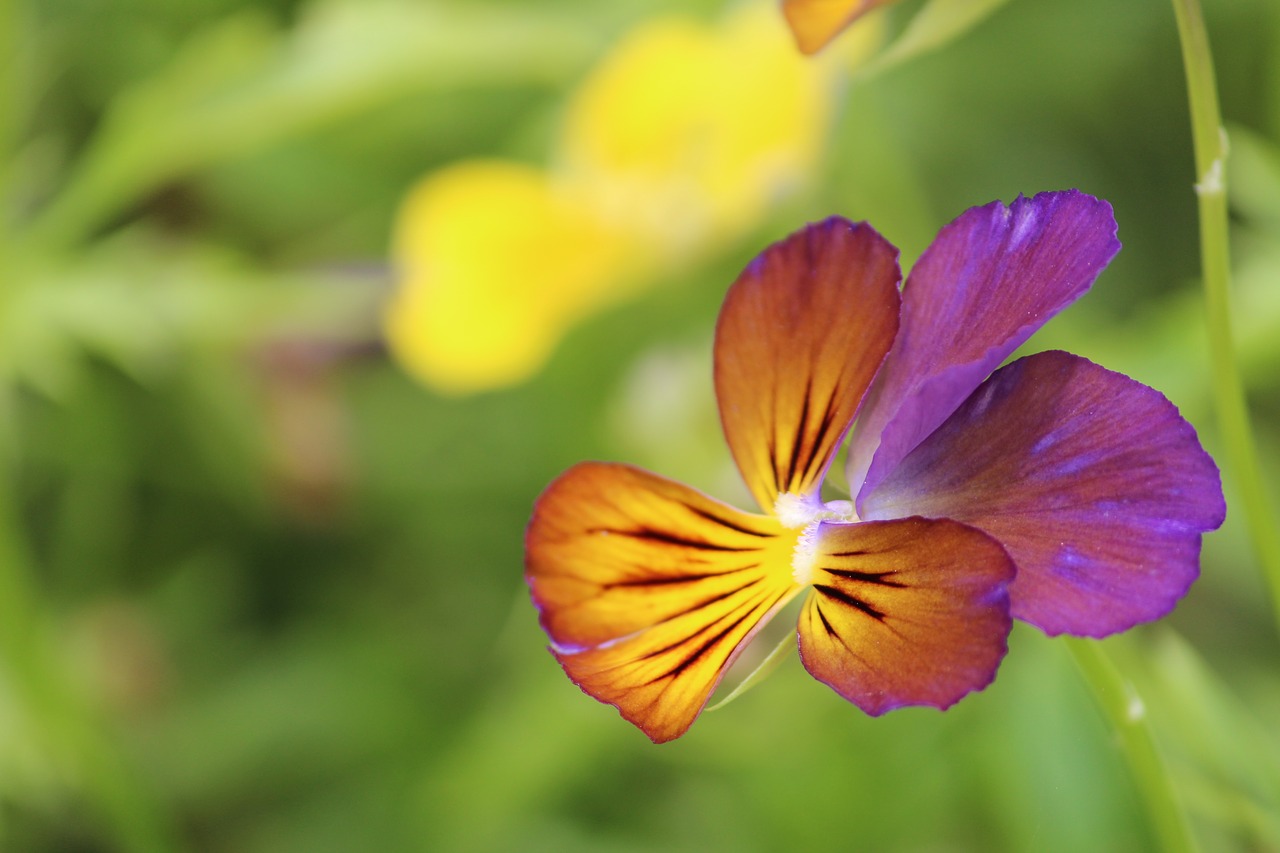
<point x="805" y="513"/>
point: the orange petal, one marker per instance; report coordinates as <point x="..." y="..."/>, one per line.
<point x="648" y="588"/>
<point x="801" y="334"/>
<point x="816" y="22"/>
<point x="909" y="612"/>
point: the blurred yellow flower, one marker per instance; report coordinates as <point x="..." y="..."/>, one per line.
<point x="695" y="130"/>
<point x="816" y="22"/>
<point x="677" y="142"/>
<point x="495" y="260"/>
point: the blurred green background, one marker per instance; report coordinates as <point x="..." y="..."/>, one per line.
<point x="260" y="591"/>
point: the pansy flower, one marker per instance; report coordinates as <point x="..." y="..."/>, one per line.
<point x="1051" y="490"/>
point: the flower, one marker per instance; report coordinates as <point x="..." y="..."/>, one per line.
<point x="814" y="23"/>
<point x="680" y="140"/>
<point x="1052" y="490"/>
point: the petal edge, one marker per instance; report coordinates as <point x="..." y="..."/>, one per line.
<point x="1095" y="484"/>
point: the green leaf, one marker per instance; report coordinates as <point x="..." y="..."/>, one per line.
<point x="239" y="87"/>
<point x="1253" y="175"/>
<point x="936" y="24"/>
<point x="1224" y="755"/>
<point x="139" y="307"/>
<point x="761" y="672"/>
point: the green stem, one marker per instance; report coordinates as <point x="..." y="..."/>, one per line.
<point x="58" y="712"/>
<point x="1240" y="447"/>
<point x="9" y="109"/>
<point x="1126" y="713"/>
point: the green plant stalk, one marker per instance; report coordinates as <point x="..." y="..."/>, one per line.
<point x="1126" y="714"/>
<point x="1239" y="445"/>
<point x="8" y="111"/>
<point x="58" y="711"/>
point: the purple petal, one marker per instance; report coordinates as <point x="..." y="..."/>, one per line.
<point x="988" y="281"/>
<point x="1093" y="482"/>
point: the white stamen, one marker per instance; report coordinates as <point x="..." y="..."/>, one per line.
<point x="839" y="511"/>
<point x="805" y="556"/>
<point x="796" y="510"/>
<point x="807" y="512"/>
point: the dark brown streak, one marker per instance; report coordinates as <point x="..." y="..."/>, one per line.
<point x="680" y="579"/>
<point x="845" y="598"/>
<point x="828" y="416"/>
<point x="692" y="658"/>
<point x="701" y="513"/>
<point x="773" y="452"/>
<point x="651" y="535"/>
<point x="803" y="424"/>
<point x="700" y="605"/>
<point x="878" y="578"/>
<point x="832" y="632"/>
<point x="826" y="624"/>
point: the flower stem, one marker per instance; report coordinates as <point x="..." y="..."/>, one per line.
<point x="54" y="707"/>
<point x="1210" y="140"/>
<point x="1125" y="711"/>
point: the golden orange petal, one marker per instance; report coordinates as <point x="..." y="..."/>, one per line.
<point x="648" y="588"/>
<point x="661" y="679"/>
<point x="800" y="337"/>
<point x="816" y="22"/>
<point x="907" y="612"/>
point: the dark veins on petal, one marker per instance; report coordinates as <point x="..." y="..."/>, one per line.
<point x="742" y="613"/>
<point x="651" y="535"/>
<point x="845" y="598"/>
<point x="681" y="579"/>
<point x="878" y="578"/>
<point x="724" y="522"/>
<point x="790" y="479"/>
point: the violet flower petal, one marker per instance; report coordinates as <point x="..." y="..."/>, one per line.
<point x="1093" y="482"/>
<point x="989" y="280"/>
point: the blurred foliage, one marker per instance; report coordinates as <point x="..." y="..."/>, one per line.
<point x="259" y="591"/>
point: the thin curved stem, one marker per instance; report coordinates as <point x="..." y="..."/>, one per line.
<point x="1239" y="445"/>
<point x="1126" y="713"/>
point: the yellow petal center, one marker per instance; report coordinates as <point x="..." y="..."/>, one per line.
<point x="805" y="513"/>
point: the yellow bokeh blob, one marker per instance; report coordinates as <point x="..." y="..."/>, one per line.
<point x="681" y="139"/>
<point x="697" y="129"/>
<point x="493" y="262"/>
